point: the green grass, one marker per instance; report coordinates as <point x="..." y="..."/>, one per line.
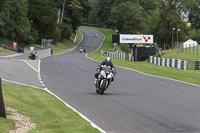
<point x="67" y="44"/>
<point x="61" y="47"/>
<point x="5" y="51"/>
<point x="50" y="114"/>
<point x="191" y="76"/>
<point x="6" y="125"/>
<point x="33" y="63"/>
<point x="185" y="56"/>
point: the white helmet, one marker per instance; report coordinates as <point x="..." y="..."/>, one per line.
<point x="108" y="60"/>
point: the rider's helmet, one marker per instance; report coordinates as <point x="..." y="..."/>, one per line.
<point x="108" y="60"/>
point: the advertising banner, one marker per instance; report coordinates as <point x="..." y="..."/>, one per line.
<point x="131" y="38"/>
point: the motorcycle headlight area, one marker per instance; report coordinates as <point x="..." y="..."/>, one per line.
<point x="110" y="75"/>
<point x="103" y="74"/>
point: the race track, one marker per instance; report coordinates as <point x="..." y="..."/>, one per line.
<point x="135" y="103"/>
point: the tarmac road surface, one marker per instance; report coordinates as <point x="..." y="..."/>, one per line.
<point x="13" y="69"/>
<point x="135" y="103"/>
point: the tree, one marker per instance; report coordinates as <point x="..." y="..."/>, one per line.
<point x="43" y="17"/>
<point x="194" y="14"/>
<point x="14" y="21"/>
<point x="127" y="18"/>
<point x="74" y="11"/>
<point x="1" y="4"/>
<point x="171" y="17"/>
<point x="104" y="8"/>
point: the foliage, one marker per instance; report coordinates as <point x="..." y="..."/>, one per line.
<point x="43" y="15"/>
<point x="28" y="21"/>
<point x="187" y="76"/>
<point x="194" y="14"/>
<point x="127" y="18"/>
<point x="14" y="23"/>
<point x="125" y="48"/>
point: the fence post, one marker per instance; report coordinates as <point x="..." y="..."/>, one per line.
<point x="2" y="106"/>
<point x="189" y="48"/>
<point x="193" y="48"/>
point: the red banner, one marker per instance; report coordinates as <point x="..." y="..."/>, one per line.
<point x="14" y="45"/>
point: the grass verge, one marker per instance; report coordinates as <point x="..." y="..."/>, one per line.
<point x="191" y="76"/>
<point x="33" y="63"/>
<point x="66" y="44"/>
<point x="50" y="114"/>
<point x="6" y="125"/>
<point x="6" y="51"/>
<point x="62" y="47"/>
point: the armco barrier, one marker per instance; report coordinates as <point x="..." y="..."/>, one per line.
<point x="119" y="55"/>
<point x="197" y="65"/>
<point x="175" y="63"/>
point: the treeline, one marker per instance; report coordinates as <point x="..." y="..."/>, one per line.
<point x="28" y="21"/>
<point x="157" y="17"/>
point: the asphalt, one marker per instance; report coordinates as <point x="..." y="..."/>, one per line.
<point x="135" y="103"/>
<point x="14" y="71"/>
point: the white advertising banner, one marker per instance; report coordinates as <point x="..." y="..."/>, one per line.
<point x="131" y="38"/>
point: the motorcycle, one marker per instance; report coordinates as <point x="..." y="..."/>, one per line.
<point x="84" y="49"/>
<point x="81" y="50"/>
<point x="104" y="79"/>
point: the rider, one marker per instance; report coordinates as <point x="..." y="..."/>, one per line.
<point x="107" y="62"/>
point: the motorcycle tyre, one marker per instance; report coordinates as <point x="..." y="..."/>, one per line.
<point x="97" y="91"/>
<point x="103" y="88"/>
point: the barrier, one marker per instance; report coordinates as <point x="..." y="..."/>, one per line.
<point x="197" y="65"/>
<point x="175" y="63"/>
<point x="119" y="55"/>
<point x="39" y="54"/>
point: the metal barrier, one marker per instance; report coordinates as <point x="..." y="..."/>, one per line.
<point x="119" y="55"/>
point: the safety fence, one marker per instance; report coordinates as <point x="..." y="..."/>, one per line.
<point x="197" y="65"/>
<point x="170" y="62"/>
<point x="9" y="47"/>
<point x="119" y="55"/>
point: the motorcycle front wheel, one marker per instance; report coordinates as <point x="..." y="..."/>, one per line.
<point x="103" y="87"/>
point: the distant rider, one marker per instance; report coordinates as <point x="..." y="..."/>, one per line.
<point x="84" y="49"/>
<point x="107" y="62"/>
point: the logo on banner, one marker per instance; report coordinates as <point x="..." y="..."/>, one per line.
<point x="146" y="38"/>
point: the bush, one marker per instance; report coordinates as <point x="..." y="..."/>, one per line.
<point x="66" y="31"/>
<point x="125" y="48"/>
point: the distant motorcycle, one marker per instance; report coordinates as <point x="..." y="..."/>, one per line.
<point x="95" y="34"/>
<point x="104" y="79"/>
<point x="84" y="49"/>
<point x="81" y="50"/>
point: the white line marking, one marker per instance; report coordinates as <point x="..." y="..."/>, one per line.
<point x="20" y="83"/>
<point x="46" y="89"/>
<point x="30" y="65"/>
<point x="84" y="117"/>
<point x="43" y="85"/>
<point x="152" y="75"/>
<point x="39" y="67"/>
<point x="143" y="72"/>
